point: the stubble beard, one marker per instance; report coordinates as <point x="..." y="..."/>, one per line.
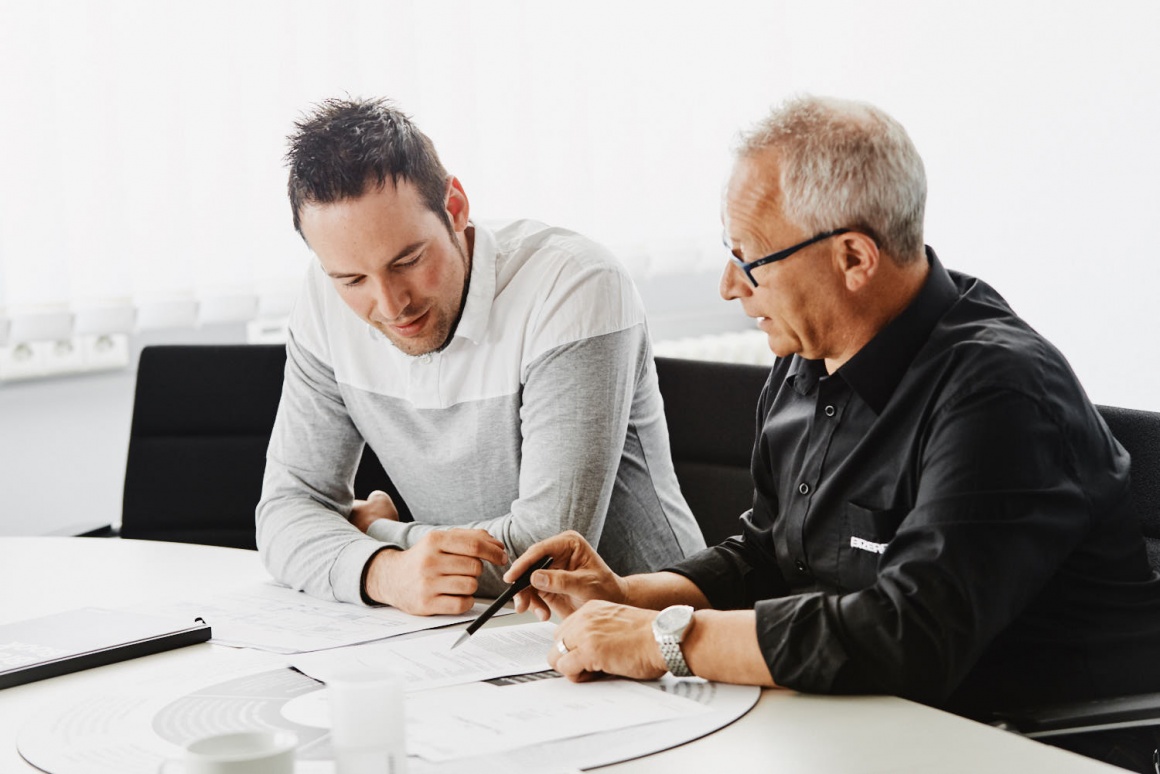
<point x="444" y="321"/>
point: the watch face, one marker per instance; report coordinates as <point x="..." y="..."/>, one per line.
<point x="673" y="619"/>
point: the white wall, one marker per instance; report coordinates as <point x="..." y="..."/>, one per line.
<point x="62" y="453"/>
<point x="1037" y="121"/>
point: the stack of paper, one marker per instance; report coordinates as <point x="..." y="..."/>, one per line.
<point x="452" y="713"/>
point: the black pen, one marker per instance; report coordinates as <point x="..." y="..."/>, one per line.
<point x="520" y="584"/>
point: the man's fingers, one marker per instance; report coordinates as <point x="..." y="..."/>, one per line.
<point x="448" y="604"/>
<point x="525" y="560"/>
<point x="539" y="607"/>
<point x="471" y="542"/>
<point x="571" y="666"/>
<point x="563" y="548"/>
<point x="456" y="564"/>
<point x="560" y="581"/>
<point x="439" y="573"/>
<point x="528" y="599"/>
<point x="456" y="585"/>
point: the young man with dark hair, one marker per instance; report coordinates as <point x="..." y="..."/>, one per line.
<point x="503" y="378"/>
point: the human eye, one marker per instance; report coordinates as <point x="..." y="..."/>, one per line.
<point x="407" y="263"/>
<point x="734" y="252"/>
<point x="353" y="282"/>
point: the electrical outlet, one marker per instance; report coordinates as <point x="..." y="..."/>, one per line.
<point x="21" y="361"/>
<point x="106" y="352"/>
<point x="82" y="354"/>
<point x="62" y="357"/>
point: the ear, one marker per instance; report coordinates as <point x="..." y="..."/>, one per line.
<point x="458" y="209"/>
<point x="858" y="259"/>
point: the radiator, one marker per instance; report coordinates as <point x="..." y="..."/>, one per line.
<point x="736" y="347"/>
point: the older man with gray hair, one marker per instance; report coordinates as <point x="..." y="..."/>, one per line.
<point x="939" y="511"/>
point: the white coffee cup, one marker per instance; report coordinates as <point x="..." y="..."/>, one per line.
<point x="243" y="752"/>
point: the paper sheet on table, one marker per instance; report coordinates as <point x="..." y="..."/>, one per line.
<point x="429" y="662"/>
<point x="484" y="719"/>
<point x="273" y="618"/>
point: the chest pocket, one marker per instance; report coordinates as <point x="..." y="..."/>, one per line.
<point x="864" y="537"/>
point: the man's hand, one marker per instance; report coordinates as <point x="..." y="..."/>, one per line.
<point x="436" y="576"/>
<point x="606" y="638"/>
<point x="378" y="505"/>
<point x="578" y="575"/>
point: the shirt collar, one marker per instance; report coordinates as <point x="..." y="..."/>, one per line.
<point x="876" y="369"/>
<point x="805" y="374"/>
<point x="481" y="292"/>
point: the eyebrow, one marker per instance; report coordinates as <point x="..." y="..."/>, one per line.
<point x="398" y="256"/>
<point x="729" y="245"/>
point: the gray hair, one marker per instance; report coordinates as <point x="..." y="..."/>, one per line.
<point x="845" y="164"/>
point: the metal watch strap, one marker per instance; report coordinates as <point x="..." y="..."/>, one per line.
<point x="671" y="652"/>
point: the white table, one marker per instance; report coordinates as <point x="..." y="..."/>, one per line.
<point x="784" y="732"/>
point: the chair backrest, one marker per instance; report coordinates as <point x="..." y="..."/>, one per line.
<point x="202" y="418"/>
<point x="711" y="411"/>
<point x="1139" y="433"/>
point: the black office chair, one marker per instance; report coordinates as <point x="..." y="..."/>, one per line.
<point x="1139" y="433"/>
<point x="711" y="411"/>
<point x="202" y="418"/>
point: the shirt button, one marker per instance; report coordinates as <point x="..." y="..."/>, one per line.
<point x="804" y="488"/>
<point x="426" y="358"/>
<point x="800" y="565"/>
<point x="830" y="411"/>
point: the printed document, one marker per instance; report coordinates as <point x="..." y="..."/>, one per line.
<point x="484" y="719"/>
<point x="273" y="618"/>
<point x="429" y="662"/>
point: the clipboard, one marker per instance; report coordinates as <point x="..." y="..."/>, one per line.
<point x="58" y="644"/>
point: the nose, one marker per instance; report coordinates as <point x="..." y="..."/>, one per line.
<point x="390" y="300"/>
<point x="734" y="283"/>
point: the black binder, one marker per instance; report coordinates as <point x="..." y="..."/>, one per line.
<point x="89" y="637"/>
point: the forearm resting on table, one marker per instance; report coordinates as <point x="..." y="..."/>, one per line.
<point x="721" y="645"/>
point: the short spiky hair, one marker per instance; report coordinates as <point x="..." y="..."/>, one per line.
<point x="343" y="147"/>
<point x="846" y="164"/>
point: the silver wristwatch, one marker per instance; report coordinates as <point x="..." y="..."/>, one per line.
<point x="669" y="628"/>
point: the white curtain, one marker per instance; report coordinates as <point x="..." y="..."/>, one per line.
<point x="141" y="142"/>
<point x="141" y="177"/>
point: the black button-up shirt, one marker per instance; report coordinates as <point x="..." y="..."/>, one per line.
<point x="943" y="518"/>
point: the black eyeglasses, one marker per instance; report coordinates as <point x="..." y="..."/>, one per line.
<point x="781" y="255"/>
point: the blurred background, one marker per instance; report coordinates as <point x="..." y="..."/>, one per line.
<point x="142" y="192"/>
